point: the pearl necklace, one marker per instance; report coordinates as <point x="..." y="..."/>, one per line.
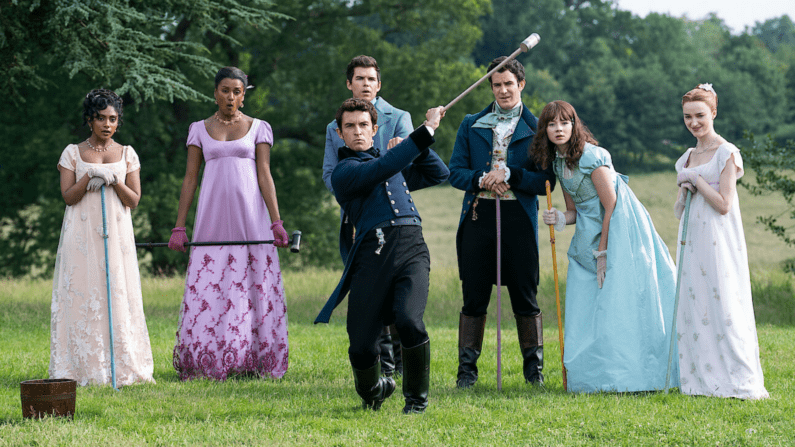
<point x="107" y="146"/>
<point x="229" y="122"/>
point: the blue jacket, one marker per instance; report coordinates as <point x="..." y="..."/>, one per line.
<point x="472" y="157"/>
<point x="392" y="122"/>
<point x="373" y="190"/>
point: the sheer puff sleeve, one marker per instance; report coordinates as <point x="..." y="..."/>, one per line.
<point x="594" y="157"/>
<point x="725" y="151"/>
<point x="680" y="164"/>
<point x="69" y="157"/>
<point x="264" y="134"/>
<point x="131" y="157"/>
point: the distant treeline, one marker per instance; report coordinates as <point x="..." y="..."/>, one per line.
<point x="625" y="75"/>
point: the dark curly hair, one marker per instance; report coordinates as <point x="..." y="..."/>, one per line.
<point x="99" y="99"/>
<point x="364" y="62"/>
<point x="543" y="149"/>
<point x="356" y="105"/>
<point x="513" y="66"/>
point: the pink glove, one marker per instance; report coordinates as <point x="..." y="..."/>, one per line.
<point x="687" y="176"/>
<point x="178" y="239"/>
<point x="279" y="235"/>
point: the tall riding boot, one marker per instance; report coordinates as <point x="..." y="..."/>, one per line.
<point x="397" y="349"/>
<point x="416" y="377"/>
<point x="531" y="342"/>
<point x="371" y="387"/>
<point x="470" y="343"/>
<point x="387" y="355"/>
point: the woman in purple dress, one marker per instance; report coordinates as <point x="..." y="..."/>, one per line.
<point x="233" y="318"/>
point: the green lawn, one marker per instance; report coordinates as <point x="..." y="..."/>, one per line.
<point x="315" y="404"/>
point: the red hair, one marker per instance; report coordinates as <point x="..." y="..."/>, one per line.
<point x="543" y="150"/>
<point x="700" y="94"/>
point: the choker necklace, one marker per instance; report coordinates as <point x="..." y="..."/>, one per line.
<point x="230" y="122"/>
<point x="107" y="146"/>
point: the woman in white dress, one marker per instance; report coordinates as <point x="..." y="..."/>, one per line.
<point x="79" y="333"/>
<point x="718" y="347"/>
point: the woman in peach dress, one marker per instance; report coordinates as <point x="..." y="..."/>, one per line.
<point x="80" y="336"/>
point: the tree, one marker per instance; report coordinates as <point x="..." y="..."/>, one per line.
<point x="52" y="53"/>
<point x="774" y="166"/>
<point x="299" y="73"/>
<point x="110" y="40"/>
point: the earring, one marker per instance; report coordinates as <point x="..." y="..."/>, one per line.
<point x="241" y="105"/>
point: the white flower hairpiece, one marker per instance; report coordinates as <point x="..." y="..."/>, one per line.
<point x="707" y="87"/>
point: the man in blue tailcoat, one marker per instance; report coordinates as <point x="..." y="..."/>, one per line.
<point x="386" y="271"/>
<point x="490" y="159"/>
<point x="364" y="82"/>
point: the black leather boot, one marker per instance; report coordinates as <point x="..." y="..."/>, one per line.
<point x="470" y="343"/>
<point x="531" y="342"/>
<point x="416" y="377"/>
<point x="371" y="387"/>
<point x="387" y="354"/>
<point x="398" y="351"/>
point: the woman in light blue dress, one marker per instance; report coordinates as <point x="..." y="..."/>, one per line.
<point x="621" y="281"/>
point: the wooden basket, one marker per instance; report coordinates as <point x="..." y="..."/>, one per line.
<point x="54" y="397"/>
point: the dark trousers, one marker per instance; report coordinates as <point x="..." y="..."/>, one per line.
<point x="386" y="288"/>
<point x="519" y="264"/>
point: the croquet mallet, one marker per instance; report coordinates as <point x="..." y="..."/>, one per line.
<point x="499" y="296"/>
<point x="295" y="243"/>
<point x="685" y="216"/>
<point x="531" y="41"/>
<point x="557" y="289"/>
<point x="107" y="282"/>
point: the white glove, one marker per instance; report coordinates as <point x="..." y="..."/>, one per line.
<point x="104" y="173"/>
<point x="95" y="184"/>
<point x="601" y="266"/>
<point x="687" y="176"/>
<point x="555" y="217"/>
<point x="679" y="206"/>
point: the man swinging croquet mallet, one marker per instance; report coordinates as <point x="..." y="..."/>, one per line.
<point x="386" y="272"/>
<point x="364" y="82"/>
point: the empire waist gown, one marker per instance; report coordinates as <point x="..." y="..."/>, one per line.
<point x="617" y="338"/>
<point x="233" y="318"/>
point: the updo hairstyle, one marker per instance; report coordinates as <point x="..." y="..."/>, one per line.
<point x="99" y="99"/>
<point x="231" y="73"/>
<point x="704" y="93"/>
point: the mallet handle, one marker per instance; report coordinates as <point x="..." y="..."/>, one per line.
<point x="295" y="243"/>
<point x="531" y="41"/>
<point x="557" y="289"/>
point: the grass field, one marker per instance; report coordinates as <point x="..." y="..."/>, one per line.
<point x="315" y="404"/>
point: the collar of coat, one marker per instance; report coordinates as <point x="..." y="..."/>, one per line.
<point x="526" y="126"/>
<point x="346" y="152"/>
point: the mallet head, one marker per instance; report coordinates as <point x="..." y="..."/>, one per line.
<point x="531" y="41"/>
<point x="295" y="247"/>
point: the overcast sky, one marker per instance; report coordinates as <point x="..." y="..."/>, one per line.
<point x="737" y="14"/>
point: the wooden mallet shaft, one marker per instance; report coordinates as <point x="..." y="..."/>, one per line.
<point x="531" y="41"/>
